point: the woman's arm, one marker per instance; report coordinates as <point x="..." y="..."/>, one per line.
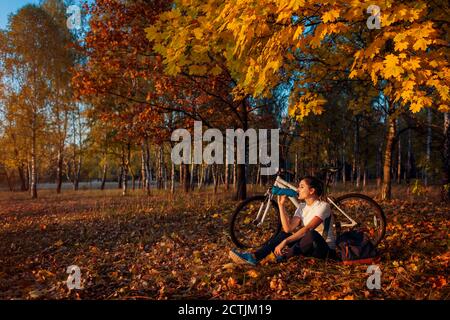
<point x="314" y="223"/>
<point x="287" y="223"/>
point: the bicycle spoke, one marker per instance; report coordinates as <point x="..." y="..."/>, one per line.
<point x="248" y="233"/>
<point x="365" y="213"/>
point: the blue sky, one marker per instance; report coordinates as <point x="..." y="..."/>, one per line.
<point x="11" y="6"/>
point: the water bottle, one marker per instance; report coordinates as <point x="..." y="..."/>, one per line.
<point x="284" y="192"/>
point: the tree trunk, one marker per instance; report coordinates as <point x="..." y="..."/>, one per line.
<point x="428" y="156"/>
<point x="125" y="165"/>
<point x="227" y="170"/>
<point x="234" y="175"/>
<point x="343" y="165"/>
<point x="120" y="182"/>
<point x="186" y="177"/>
<point x="159" y="174"/>
<point x="181" y="175"/>
<point x="191" y="180"/>
<point x="28" y="175"/>
<point x="77" y="173"/>
<point x="356" y="157"/>
<point x="172" y="178"/>
<point x="133" y="177"/>
<point x="408" y="159"/>
<point x="201" y="176"/>
<point x="399" y="161"/>
<point x="23" y="182"/>
<point x="148" y="168"/>
<point x="258" y="175"/>
<point x="378" y="165"/>
<point x="143" y="169"/>
<point x="387" y="166"/>
<point x="296" y="176"/>
<point x="445" y="191"/>
<point x="105" y="170"/>
<point x="215" y="177"/>
<point x="165" y="177"/>
<point x="366" y="161"/>
<point x="241" y="191"/>
<point x="33" y="185"/>
<point x="365" y="175"/>
<point x="59" y="171"/>
<point x="241" y="179"/>
<point x="8" y="180"/>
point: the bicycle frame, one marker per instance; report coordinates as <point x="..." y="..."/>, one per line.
<point x="279" y="182"/>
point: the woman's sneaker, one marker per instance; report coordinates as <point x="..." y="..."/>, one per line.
<point x="280" y="259"/>
<point x="242" y="258"/>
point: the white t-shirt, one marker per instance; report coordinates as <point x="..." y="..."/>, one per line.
<point x="322" y="210"/>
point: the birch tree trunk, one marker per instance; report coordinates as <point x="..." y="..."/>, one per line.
<point x="125" y="165"/>
<point x="148" y="167"/>
<point x="143" y="168"/>
<point x="33" y="184"/>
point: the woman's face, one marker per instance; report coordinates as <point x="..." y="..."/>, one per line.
<point x="304" y="191"/>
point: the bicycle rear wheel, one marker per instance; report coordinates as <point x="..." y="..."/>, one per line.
<point x="243" y="229"/>
<point x="367" y="213"/>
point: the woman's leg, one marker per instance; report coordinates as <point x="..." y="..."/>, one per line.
<point x="265" y="250"/>
<point x="312" y="244"/>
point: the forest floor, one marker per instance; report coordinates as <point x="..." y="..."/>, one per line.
<point x="162" y="247"/>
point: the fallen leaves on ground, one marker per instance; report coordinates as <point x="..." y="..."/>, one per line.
<point x="158" y="247"/>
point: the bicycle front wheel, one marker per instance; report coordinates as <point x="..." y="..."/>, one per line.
<point x="366" y="212"/>
<point x="244" y="230"/>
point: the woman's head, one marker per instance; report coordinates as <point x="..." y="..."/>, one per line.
<point x="310" y="187"/>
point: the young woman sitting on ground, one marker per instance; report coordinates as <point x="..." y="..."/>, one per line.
<point x="308" y="240"/>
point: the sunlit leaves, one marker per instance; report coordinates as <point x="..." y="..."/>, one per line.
<point x="330" y="16"/>
<point x="262" y="40"/>
<point x="392" y="67"/>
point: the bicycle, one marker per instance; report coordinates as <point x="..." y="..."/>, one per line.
<point x="351" y="211"/>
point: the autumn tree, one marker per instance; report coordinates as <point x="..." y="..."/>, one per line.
<point x="29" y="37"/>
<point x="148" y="103"/>
<point x="266" y="42"/>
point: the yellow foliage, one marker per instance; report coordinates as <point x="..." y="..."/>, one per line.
<point x="258" y="38"/>
<point x="330" y="16"/>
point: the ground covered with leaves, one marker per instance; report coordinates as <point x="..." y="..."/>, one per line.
<point x="159" y="247"/>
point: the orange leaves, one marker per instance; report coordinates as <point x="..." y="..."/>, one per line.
<point x="392" y="67"/>
<point x="421" y="44"/>
<point x="259" y="40"/>
<point x="138" y="251"/>
<point x="401" y="42"/>
<point x="439" y="282"/>
<point x="231" y="283"/>
<point x="253" y="273"/>
<point x="306" y="104"/>
<point x="330" y="16"/>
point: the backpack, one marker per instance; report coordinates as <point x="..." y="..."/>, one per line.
<point x="354" y="247"/>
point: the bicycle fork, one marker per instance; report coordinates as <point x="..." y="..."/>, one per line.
<point x="259" y="220"/>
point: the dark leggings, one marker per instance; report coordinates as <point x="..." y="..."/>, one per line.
<point x="312" y="244"/>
